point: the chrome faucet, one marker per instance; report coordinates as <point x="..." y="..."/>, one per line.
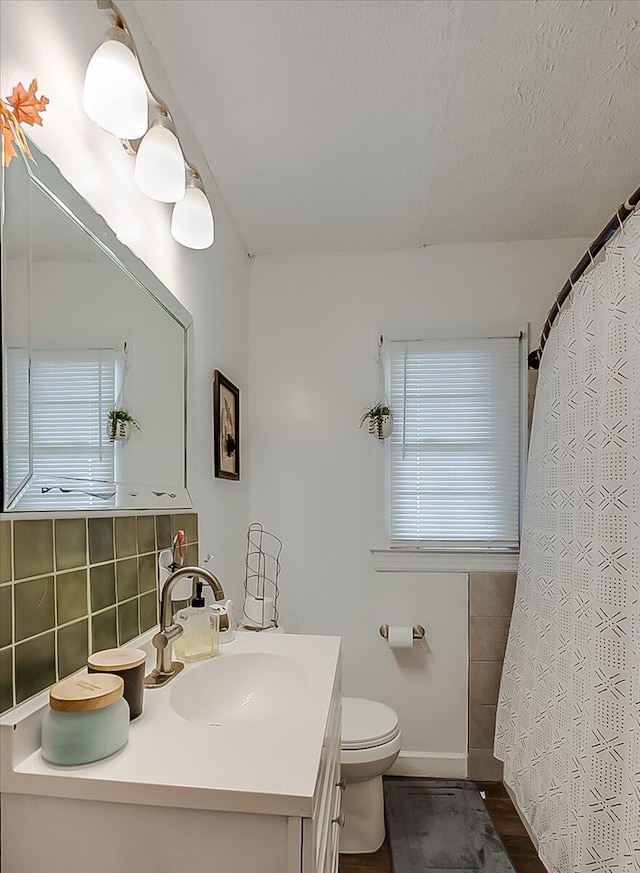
<point x="166" y="668"/>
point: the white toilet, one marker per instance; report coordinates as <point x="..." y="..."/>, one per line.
<point x="371" y="742"/>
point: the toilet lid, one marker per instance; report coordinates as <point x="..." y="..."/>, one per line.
<point x="367" y="723"/>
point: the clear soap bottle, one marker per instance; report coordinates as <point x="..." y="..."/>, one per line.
<point x="201" y="629"/>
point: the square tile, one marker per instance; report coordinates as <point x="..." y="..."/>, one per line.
<point x="487" y="638"/>
<point x="32" y="548"/>
<point x="126" y="578"/>
<point x="126" y="536"/>
<point x="73" y="647"/>
<point x="35" y="665"/>
<point x="6" y="615"/>
<point x="5" y="551"/>
<point x="71" y="595"/>
<point x="6" y="679"/>
<point x="482" y="765"/>
<point x="104" y="630"/>
<point x="482" y="726"/>
<point x="491" y="594"/>
<point x="34" y="603"/>
<point x="148" y="611"/>
<point x="484" y="681"/>
<point x="188" y="522"/>
<point x="71" y="543"/>
<point x="103" y="586"/>
<point x="146" y="534"/>
<point x="128" y="624"/>
<point x="147" y="573"/>
<point x="100" y="540"/>
<point x="164" y="532"/>
<point x="191" y="555"/>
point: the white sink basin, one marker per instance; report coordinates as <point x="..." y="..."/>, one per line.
<point x="238" y="688"/>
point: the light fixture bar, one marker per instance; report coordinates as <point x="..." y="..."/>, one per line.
<point x="113" y="100"/>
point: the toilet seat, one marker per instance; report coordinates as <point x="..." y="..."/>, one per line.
<point x="367" y="724"/>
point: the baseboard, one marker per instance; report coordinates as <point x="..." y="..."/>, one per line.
<point x="441" y="765"/>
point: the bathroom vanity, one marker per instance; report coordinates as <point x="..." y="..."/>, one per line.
<point x="234" y="767"/>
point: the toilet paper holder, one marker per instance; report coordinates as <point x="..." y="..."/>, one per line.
<point x="417" y="629"/>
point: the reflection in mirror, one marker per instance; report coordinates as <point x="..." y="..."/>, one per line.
<point x="94" y="361"/>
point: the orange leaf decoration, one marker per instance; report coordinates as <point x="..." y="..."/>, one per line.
<point x="27" y="106"/>
<point x="7" y="134"/>
<point x="12" y="135"/>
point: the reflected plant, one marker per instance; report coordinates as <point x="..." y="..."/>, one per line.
<point x="118" y="421"/>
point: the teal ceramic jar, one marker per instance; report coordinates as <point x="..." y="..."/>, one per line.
<point x="88" y="719"/>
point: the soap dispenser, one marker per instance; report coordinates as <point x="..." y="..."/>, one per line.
<point x="201" y="626"/>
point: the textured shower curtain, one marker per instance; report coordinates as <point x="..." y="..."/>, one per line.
<point x="568" y="727"/>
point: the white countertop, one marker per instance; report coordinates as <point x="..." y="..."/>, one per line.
<point x="267" y="767"/>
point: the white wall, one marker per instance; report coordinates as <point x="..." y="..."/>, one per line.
<point x="53" y="42"/>
<point x="315" y="476"/>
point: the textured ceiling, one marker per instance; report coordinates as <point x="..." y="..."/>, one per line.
<point x="384" y="124"/>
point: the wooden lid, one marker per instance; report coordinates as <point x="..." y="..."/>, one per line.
<point x="86" y="693"/>
<point x="116" y="659"/>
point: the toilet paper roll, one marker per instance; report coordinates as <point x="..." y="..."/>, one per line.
<point x="400" y="637"/>
<point x="258" y="612"/>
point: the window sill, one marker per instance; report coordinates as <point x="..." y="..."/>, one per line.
<point x="459" y="561"/>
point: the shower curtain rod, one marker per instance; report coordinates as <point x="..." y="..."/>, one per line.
<point x="622" y="213"/>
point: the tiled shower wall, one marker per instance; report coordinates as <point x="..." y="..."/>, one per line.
<point x="72" y="586"/>
<point x="490" y="605"/>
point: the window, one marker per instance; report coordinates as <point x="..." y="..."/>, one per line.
<point x="455" y="453"/>
<point x="72" y="392"/>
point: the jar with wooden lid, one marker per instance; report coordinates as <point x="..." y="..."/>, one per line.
<point x="127" y="663"/>
<point x="88" y="719"/>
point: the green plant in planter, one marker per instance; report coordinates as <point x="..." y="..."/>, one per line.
<point x="378" y="416"/>
<point x="120" y="415"/>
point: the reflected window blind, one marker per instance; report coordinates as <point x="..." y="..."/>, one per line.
<point x="455" y="451"/>
<point x="73" y="391"/>
<point x="16" y="418"/>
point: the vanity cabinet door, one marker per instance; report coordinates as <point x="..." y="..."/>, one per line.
<point x="321" y="832"/>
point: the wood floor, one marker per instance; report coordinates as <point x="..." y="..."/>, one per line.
<point x="505" y="820"/>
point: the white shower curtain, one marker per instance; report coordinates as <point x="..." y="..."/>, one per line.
<point x="568" y="727"/>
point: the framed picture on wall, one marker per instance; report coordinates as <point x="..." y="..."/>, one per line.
<point x="226" y="428"/>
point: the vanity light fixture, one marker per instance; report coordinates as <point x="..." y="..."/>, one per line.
<point x="115" y="92"/>
<point x="117" y="97"/>
<point x="160" y="170"/>
<point x="192" y="220"/>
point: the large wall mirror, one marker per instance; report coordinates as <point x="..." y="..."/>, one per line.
<point x="90" y="337"/>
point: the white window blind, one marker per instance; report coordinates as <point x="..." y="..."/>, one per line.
<point x="16" y="418"/>
<point x="73" y="391"/>
<point x="455" y="451"/>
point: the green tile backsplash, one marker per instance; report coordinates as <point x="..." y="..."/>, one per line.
<point x="73" y="647"/>
<point x="100" y="540"/>
<point x="71" y="595"/>
<point x="73" y="586"/>
<point x="32" y="548"/>
<point x="5" y="551"/>
<point x="103" y="585"/>
<point x="70" y="543"/>
<point x="35" y="665"/>
<point x="126" y="537"/>
<point x="35" y="607"/>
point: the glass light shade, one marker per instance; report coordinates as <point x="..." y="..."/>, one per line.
<point x="160" y="170"/>
<point x="115" y="92"/>
<point x="192" y="220"/>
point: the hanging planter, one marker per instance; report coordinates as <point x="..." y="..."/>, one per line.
<point x="380" y="421"/>
<point x="119" y="425"/>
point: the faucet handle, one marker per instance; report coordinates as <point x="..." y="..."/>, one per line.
<point x="162" y="639"/>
